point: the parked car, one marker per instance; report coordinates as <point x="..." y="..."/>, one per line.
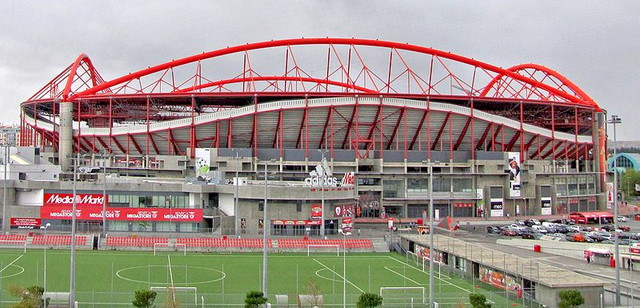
<point x="528" y="236"/>
<point x="509" y="232"/>
<point x="622" y="219"/>
<point x="539" y="229"/>
<point x="493" y="230"/>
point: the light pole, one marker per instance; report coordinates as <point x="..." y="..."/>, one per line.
<point x="4" y="185"/>
<point x="104" y="194"/>
<point x="45" y="263"/>
<point x="431" y="231"/>
<point x="72" y="279"/>
<point x="321" y="178"/>
<point x="235" y="197"/>
<point x="264" y="233"/>
<point x="344" y="265"/>
<point x="429" y="164"/>
<point x="616" y="120"/>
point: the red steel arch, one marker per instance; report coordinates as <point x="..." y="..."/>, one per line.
<point x="184" y="89"/>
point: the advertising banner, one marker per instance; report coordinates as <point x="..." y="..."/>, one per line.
<point x="203" y="161"/>
<point x="316" y="211"/>
<point x="122" y="213"/>
<point x="499" y="279"/>
<point x="25" y="223"/>
<point x="609" y="195"/>
<point x="513" y="164"/>
<point x="425" y="253"/>
<point x="347" y="224"/>
<point x="343" y="210"/>
<point x="67" y="199"/>
<point x="496" y="208"/>
<point x="296" y="222"/>
<point x="545" y="206"/>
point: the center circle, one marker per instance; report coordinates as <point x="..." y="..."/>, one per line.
<point x="122" y="274"/>
<point x="12" y="266"/>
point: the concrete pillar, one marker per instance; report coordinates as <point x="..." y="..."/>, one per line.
<point x="599" y="130"/>
<point x="65" y="146"/>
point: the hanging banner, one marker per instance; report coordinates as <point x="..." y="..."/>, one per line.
<point x="316" y="211"/>
<point x="514" y="174"/>
<point x="343" y="210"/>
<point x="545" y="206"/>
<point x="609" y="195"/>
<point x="347" y="225"/>
<point x="203" y="161"/>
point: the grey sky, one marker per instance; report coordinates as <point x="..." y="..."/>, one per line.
<point x="593" y="43"/>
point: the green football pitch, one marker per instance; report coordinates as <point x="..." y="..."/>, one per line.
<point x="109" y="278"/>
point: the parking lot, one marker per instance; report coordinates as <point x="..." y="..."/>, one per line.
<point x="566" y="230"/>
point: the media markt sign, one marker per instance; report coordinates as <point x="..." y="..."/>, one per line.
<point x="322" y="176"/>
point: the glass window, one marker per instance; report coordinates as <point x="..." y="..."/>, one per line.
<point x="394" y="188"/>
<point x="462" y="185"/>
<point x="260" y="206"/>
<point x="441" y="185"/>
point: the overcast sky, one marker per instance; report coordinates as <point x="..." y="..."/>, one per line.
<point x="596" y="44"/>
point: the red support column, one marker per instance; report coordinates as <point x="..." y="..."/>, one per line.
<point x="429" y="124"/>
<point x="148" y="127"/>
<point x="522" y="156"/>
<point x="553" y="132"/>
<point x="473" y="131"/>
<point x="255" y="125"/>
<point x="110" y="123"/>
<point x="192" y="131"/>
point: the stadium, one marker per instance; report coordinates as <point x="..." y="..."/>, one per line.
<point x="386" y="112"/>
<point x="297" y="140"/>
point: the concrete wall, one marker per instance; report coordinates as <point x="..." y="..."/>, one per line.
<point x="549" y="296"/>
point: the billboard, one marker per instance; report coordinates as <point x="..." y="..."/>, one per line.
<point x="67" y="199"/>
<point x="316" y="211"/>
<point x="513" y="165"/>
<point x="496" y="208"/>
<point x="499" y="279"/>
<point x="25" y="223"/>
<point x="545" y="206"/>
<point x="122" y="213"/>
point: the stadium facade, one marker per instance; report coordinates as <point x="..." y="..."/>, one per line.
<point x="354" y="124"/>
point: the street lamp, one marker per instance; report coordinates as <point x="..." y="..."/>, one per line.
<point x="264" y="233"/>
<point x="321" y="177"/>
<point x="616" y="120"/>
<point x="45" y="261"/>
<point x="104" y="194"/>
<point x="431" y="230"/>
<point x="344" y="265"/>
<point x="235" y="196"/>
<point x="72" y="279"/>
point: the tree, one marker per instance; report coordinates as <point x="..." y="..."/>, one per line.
<point x="144" y="298"/>
<point x="254" y="299"/>
<point x="570" y="298"/>
<point x="478" y="301"/>
<point x="31" y="297"/>
<point x="367" y="300"/>
<point x="315" y="293"/>
<point x="628" y="181"/>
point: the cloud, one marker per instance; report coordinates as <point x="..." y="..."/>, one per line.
<point x="593" y="43"/>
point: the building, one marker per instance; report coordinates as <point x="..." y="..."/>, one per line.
<point x="522" y="140"/>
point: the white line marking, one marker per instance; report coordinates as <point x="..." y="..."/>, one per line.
<point x="351" y="283"/>
<point x="14" y="261"/>
<point x="405" y="277"/>
<point x="173" y="294"/>
<point x="418" y="269"/>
